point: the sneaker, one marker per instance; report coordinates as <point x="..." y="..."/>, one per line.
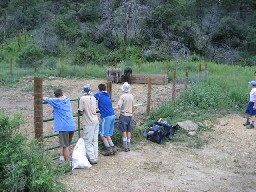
<point x="114" y="149"/>
<point x="108" y="152"/>
<point x="125" y="149"/>
<point x="93" y="162"/>
<point x="128" y="146"/>
<point x="247" y="123"/>
<point x="250" y="126"/>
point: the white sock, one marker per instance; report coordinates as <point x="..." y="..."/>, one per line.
<point x="62" y="158"/>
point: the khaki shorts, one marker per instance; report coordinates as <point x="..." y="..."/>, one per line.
<point x="65" y="138"/>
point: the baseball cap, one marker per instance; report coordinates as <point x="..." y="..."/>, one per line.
<point x="86" y="89"/>
<point x="252" y="83"/>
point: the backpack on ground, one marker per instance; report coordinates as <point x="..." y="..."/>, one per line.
<point x="159" y="130"/>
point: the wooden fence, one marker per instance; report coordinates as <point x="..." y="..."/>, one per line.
<point x="38" y="101"/>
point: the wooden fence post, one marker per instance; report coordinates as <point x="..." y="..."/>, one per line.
<point x="115" y="63"/>
<point x="35" y="68"/>
<point x="167" y="69"/>
<point x="174" y="84"/>
<point x="199" y="72"/>
<point x="61" y="66"/>
<point x="109" y="88"/>
<point x="139" y="65"/>
<point x="206" y="70"/>
<point x="186" y="81"/>
<point x="85" y="66"/>
<point x="149" y="96"/>
<point x="38" y="108"/>
<point x="11" y="61"/>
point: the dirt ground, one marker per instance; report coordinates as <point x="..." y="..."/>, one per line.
<point x="227" y="163"/>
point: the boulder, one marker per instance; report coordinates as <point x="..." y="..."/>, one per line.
<point x="188" y="125"/>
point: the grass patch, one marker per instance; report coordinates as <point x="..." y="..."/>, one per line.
<point x="197" y="141"/>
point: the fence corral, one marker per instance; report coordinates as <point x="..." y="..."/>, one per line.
<point x="38" y="102"/>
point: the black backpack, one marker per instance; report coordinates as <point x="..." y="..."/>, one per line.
<point x="159" y="131"/>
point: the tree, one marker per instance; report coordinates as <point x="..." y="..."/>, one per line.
<point x="229" y="31"/>
<point x="66" y="27"/>
<point x="31" y="56"/>
<point x="4" y="3"/>
<point x="25" y="14"/>
<point x="89" y="12"/>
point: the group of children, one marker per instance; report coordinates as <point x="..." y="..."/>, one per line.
<point x="93" y="127"/>
<point x="88" y="104"/>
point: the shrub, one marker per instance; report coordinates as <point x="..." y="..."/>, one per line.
<point x="23" y="166"/>
<point x="198" y="101"/>
<point x="30" y="57"/>
<point x="1" y="57"/>
<point x="50" y="63"/>
<point x="205" y="96"/>
<point x="89" y="12"/>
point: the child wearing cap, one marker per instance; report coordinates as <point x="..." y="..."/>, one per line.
<point x="126" y="107"/>
<point x="87" y="108"/>
<point x="251" y="107"/>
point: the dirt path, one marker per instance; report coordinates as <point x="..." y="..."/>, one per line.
<point x="226" y="163"/>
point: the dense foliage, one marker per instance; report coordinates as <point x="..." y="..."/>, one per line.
<point x="23" y="166"/>
<point x="222" y="31"/>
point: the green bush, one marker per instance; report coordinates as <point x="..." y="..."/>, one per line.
<point x="204" y="96"/>
<point x="50" y="63"/>
<point x="23" y="166"/>
<point x="201" y="100"/>
<point x="30" y="57"/>
<point x="89" y="12"/>
<point x="1" y="57"/>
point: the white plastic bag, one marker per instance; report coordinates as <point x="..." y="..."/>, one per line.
<point x="79" y="159"/>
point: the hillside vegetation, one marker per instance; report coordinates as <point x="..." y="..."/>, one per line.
<point x="99" y="31"/>
<point x="82" y="38"/>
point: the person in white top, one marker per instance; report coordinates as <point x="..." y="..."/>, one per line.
<point x="251" y="107"/>
<point x="87" y="108"/>
<point x="126" y="107"/>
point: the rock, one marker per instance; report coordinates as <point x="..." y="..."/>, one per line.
<point x="188" y="125"/>
<point x="191" y="133"/>
<point x="51" y="78"/>
<point x="223" y="122"/>
<point x="200" y="124"/>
